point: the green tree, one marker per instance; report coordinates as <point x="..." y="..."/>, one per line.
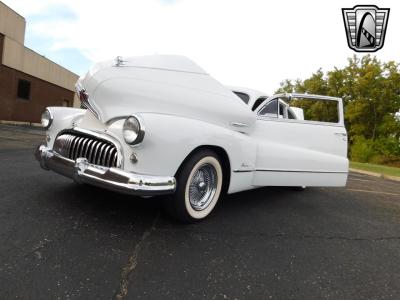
<point x="370" y="91"/>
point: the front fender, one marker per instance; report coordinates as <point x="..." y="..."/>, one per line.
<point x="63" y="117"/>
<point x="170" y="139"/>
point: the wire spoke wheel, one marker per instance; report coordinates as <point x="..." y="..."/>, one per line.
<point x="199" y="187"/>
<point x="202" y="186"/>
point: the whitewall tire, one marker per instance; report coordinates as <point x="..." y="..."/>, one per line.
<point x="199" y="186"/>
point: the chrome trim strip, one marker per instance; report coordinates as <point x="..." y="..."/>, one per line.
<point x="95" y="149"/>
<point x="289" y="171"/>
<point x="104" y="158"/>
<point x="242" y="171"/>
<point x="98" y="159"/>
<point x="239" y="124"/>
<point x="299" y="171"/>
<point x="107" y="153"/>
<point x="267" y="119"/>
<point x="96" y="152"/>
<point x="88" y="147"/>
<point x="80" y="147"/>
<point x="115" y="179"/>
<point x="76" y="148"/>
<point x="313" y="96"/>
<point x="71" y="146"/>
<point x="84" y="146"/>
<point x="111" y="157"/>
<point x="115" y="159"/>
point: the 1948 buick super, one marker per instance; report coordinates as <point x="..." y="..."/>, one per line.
<point x="161" y="125"/>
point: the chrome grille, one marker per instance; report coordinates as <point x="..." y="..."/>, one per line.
<point x="96" y="151"/>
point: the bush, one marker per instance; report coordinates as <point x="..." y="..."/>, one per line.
<point x="362" y="150"/>
<point x="387" y="146"/>
<point x="384" y="150"/>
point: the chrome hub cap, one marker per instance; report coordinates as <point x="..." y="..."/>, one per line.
<point x="202" y="187"/>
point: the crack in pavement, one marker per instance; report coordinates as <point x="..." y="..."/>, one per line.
<point x="289" y="236"/>
<point x="132" y="263"/>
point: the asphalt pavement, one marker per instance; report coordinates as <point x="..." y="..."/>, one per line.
<point x="59" y="240"/>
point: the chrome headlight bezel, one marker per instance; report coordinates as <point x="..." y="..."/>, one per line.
<point x="133" y="130"/>
<point x="47" y="119"/>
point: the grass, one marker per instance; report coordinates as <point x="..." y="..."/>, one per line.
<point x="391" y="171"/>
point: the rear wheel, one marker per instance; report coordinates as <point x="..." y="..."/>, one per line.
<point x="199" y="184"/>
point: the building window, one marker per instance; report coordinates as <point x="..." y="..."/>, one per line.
<point x="24" y="89"/>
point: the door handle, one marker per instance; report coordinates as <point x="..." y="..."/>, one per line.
<point x="341" y="133"/>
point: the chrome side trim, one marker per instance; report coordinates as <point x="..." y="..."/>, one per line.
<point x="299" y="171"/>
<point x="269" y="119"/>
<point x="239" y="124"/>
<point x="288" y="171"/>
<point x="242" y="171"/>
<point x="114" y="179"/>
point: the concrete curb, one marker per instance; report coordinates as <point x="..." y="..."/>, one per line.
<point x="389" y="177"/>
<point x="17" y="123"/>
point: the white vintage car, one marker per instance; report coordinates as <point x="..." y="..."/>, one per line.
<point x="161" y="125"/>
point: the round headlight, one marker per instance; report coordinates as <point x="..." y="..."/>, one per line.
<point x="133" y="130"/>
<point x="47" y="119"/>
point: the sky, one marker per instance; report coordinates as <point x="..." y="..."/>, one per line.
<point x="255" y="44"/>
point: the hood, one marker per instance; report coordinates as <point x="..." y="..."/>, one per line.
<point x="161" y="84"/>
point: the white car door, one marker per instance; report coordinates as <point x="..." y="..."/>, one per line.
<point x="292" y="151"/>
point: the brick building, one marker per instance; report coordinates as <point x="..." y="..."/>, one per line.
<point x="28" y="81"/>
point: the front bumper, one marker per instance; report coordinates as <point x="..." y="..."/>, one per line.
<point x="113" y="179"/>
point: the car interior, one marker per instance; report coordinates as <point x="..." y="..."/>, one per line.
<point x="271" y="108"/>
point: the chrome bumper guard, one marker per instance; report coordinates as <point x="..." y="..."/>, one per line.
<point x="113" y="179"/>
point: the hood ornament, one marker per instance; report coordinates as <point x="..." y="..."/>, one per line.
<point x="119" y="61"/>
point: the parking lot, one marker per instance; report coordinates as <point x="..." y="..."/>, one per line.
<point x="59" y="240"/>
